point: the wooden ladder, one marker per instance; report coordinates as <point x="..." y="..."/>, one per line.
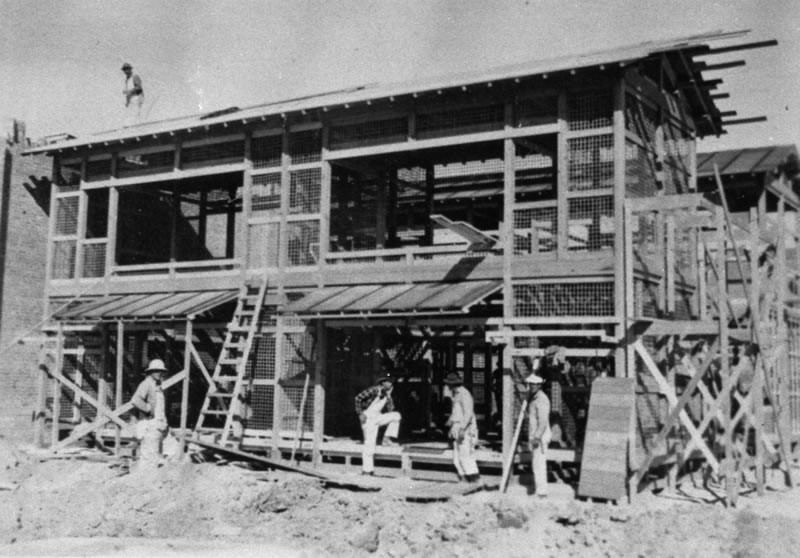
<point x="225" y="394"/>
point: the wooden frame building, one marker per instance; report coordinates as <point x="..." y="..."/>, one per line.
<point x="464" y="223"/>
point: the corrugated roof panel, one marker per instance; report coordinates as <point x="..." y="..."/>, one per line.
<point x="345" y="298"/>
<point x="379" y="298"/>
<point x="375" y="300"/>
<point x="153" y="306"/>
<point x="741" y="161"/>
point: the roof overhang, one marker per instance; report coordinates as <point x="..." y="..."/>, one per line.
<point x="696" y="45"/>
<point x="150" y="307"/>
<point x="374" y="301"/>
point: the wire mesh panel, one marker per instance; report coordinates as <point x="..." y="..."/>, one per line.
<point x="67" y="215"/>
<point x="94" y="260"/>
<point x="64" y="259"/>
<point x="91" y="373"/>
<point x="640" y="167"/>
<point x="460" y="121"/>
<point x="563" y="299"/>
<point x="302" y="242"/>
<point x="265" y="152"/>
<point x="537" y="110"/>
<point x="644" y="235"/>
<point x="265" y="194"/>
<point x="290" y="401"/>
<point x="535" y="230"/>
<point x="262" y="357"/>
<point x="69" y="405"/>
<point x="145" y="163"/>
<point x="305" y="147"/>
<point x="374" y="132"/>
<point x="645" y="299"/>
<point x="591" y="224"/>
<point x="641" y="119"/>
<point x="589" y="110"/>
<point x="304" y="192"/>
<point x="264" y="245"/>
<point x="298" y="356"/>
<point x="261" y="402"/>
<point x="590" y="163"/>
<point x="793" y="372"/>
<point x="212" y="154"/>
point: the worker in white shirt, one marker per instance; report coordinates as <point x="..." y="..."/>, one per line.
<point x="539" y="434"/>
<point x="149" y="399"/>
<point x="375" y="408"/>
<point x="134" y="95"/>
<point x="463" y="429"/>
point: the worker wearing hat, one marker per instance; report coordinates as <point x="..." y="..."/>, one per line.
<point x="539" y="433"/>
<point x="134" y="94"/>
<point x="149" y="400"/>
<point x="463" y="429"/>
<point x="375" y="408"/>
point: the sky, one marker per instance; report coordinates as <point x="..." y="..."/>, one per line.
<point x="60" y="59"/>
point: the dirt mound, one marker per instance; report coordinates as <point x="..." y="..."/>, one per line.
<point x="78" y="498"/>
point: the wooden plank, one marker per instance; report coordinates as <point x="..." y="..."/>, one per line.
<point x="605" y="452"/>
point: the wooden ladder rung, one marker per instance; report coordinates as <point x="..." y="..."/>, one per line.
<point x="229" y="361"/>
<point x="215" y="412"/>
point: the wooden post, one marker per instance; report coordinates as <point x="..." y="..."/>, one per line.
<point x="188" y="343"/>
<point x="509" y="197"/>
<point x="757" y="389"/>
<point x="430" y="184"/>
<point x="119" y="379"/>
<point x="670" y="264"/>
<point x="102" y="380"/>
<point x="783" y="375"/>
<point x="320" y="373"/>
<point x="277" y="411"/>
<point x="326" y="179"/>
<point x="380" y="217"/>
<point x="41" y="399"/>
<point x="729" y="466"/>
<point x="59" y="366"/>
<point x="562" y="178"/>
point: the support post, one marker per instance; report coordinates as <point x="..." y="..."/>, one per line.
<point x="59" y="366"/>
<point x="102" y="380"/>
<point x="118" y="381"/>
<point x="320" y="372"/>
<point x="757" y="388"/>
<point x="41" y="399"/>
<point x="187" y="368"/>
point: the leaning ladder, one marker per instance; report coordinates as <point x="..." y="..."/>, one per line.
<point x="225" y="394"/>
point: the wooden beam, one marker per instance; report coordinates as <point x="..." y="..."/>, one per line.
<point x="750" y="120"/>
<point x="669" y="203"/>
<point x="743" y="46"/>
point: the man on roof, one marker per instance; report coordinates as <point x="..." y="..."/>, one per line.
<point x="134" y="94"/>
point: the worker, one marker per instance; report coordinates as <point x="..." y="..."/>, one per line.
<point x="539" y="434"/>
<point x="134" y="94"/>
<point x="375" y="408"/>
<point x="149" y="399"/>
<point x="463" y="429"/>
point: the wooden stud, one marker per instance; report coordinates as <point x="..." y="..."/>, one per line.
<point x="188" y="345"/>
<point x="59" y="365"/>
<point x="120" y="364"/>
<point x="320" y="381"/>
<point x="562" y="178"/>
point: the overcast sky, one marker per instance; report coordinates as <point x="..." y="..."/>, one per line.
<point x="60" y="59"/>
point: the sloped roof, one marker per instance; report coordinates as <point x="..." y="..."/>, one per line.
<point x="623" y="55"/>
<point x="750" y="160"/>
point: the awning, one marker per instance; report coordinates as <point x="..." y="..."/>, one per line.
<point x="389" y="300"/>
<point x="146" y="307"/>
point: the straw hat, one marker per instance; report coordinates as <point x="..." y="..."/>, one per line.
<point x="534" y="379"/>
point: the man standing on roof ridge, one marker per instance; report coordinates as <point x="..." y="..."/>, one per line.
<point x="134" y="95"/>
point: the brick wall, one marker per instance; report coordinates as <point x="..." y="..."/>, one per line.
<point x="24" y="200"/>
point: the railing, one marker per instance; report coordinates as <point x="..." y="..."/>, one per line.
<point x="409" y="254"/>
<point x="175" y="269"/>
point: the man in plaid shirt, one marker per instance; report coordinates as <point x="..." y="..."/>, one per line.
<point x="375" y="408"/>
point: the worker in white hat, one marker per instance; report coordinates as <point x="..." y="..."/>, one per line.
<point x="463" y="428"/>
<point x="149" y="399"/>
<point x="539" y="433"/>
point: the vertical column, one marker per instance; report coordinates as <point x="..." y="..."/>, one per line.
<point x="562" y="178"/>
<point x="59" y="366"/>
<point x="430" y="185"/>
<point x="277" y="394"/>
<point x="41" y="399"/>
<point x="509" y="196"/>
<point x="242" y="244"/>
<point x="320" y="374"/>
<point x="380" y="218"/>
<point x="51" y="231"/>
<point x="111" y="243"/>
<point x="326" y="177"/>
<point x="102" y="380"/>
<point x="757" y="388"/>
<point x="187" y="369"/>
<point x="80" y="234"/>
<point x="670" y="264"/>
<point x="623" y="238"/>
<point x="286" y="159"/>
<point x="783" y="375"/>
<point x="118" y="381"/>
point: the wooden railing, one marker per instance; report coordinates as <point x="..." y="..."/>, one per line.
<point x="175" y="269"/>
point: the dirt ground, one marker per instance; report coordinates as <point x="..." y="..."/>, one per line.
<point x="79" y="507"/>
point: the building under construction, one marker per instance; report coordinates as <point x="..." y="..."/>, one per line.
<point x="279" y="256"/>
